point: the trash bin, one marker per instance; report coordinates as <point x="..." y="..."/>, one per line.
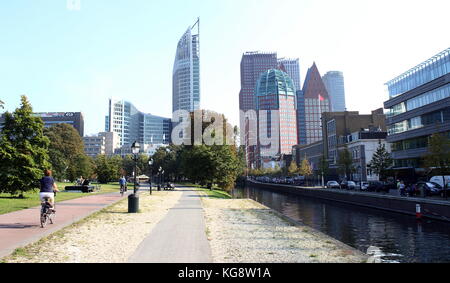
<point x="133" y="203"/>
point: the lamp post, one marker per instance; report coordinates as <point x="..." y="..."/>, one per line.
<point x="159" y="181"/>
<point x="133" y="199"/>
<point x="150" y="162"/>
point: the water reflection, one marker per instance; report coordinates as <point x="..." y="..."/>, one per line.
<point x="401" y="238"/>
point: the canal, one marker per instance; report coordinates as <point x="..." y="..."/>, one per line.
<point x="398" y="237"/>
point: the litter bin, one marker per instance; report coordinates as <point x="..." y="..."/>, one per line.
<point x="133" y="203"/>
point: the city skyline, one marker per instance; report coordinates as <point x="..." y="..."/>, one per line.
<point x="84" y="61"/>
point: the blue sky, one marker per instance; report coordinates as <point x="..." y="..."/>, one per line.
<point x="69" y="60"/>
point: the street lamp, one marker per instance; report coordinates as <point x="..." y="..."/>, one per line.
<point x="133" y="199"/>
<point x="135" y="150"/>
<point x="150" y="162"/>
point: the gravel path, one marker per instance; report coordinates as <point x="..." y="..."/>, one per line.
<point x="243" y="231"/>
<point x="109" y="236"/>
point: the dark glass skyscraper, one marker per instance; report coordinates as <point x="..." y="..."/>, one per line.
<point x="186" y="71"/>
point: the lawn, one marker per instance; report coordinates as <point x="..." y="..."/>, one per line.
<point x="214" y="193"/>
<point x="31" y="199"/>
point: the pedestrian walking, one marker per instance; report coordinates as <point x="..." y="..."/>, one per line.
<point x="402" y="188"/>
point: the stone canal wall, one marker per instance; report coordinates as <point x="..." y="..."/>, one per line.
<point x="429" y="208"/>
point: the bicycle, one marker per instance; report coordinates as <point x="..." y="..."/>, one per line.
<point x="47" y="214"/>
<point x="122" y="190"/>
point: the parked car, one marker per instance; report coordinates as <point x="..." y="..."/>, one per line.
<point x="431" y="189"/>
<point x="333" y="185"/>
<point x="363" y="186"/>
<point x="348" y="185"/>
<point x="440" y="180"/>
<point x="375" y="186"/>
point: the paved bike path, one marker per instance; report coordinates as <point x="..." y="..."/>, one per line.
<point x="20" y="228"/>
<point x="180" y="237"/>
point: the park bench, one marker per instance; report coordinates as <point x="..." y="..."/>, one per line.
<point x="84" y="189"/>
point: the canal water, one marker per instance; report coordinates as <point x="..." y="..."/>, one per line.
<point x="394" y="237"/>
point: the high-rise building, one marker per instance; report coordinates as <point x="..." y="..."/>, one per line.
<point x="253" y="64"/>
<point x="132" y="125"/>
<point x="334" y="83"/>
<point x="74" y="119"/>
<point x="419" y="106"/>
<point x="275" y="95"/>
<point x="292" y="68"/>
<point x="186" y="71"/>
<point x="317" y="101"/>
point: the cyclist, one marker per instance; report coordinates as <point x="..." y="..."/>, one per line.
<point x="123" y="183"/>
<point x="48" y="188"/>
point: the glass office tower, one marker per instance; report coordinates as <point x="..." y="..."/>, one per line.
<point x="334" y="82"/>
<point x="419" y="106"/>
<point x="275" y="90"/>
<point x="186" y="71"/>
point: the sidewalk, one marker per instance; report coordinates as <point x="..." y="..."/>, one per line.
<point x="20" y="228"/>
<point x="180" y="237"/>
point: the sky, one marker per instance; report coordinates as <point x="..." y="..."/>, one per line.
<point x="69" y="58"/>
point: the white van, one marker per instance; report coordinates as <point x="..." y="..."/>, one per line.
<point x="438" y="180"/>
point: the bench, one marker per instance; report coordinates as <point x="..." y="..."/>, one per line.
<point x="84" y="189"/>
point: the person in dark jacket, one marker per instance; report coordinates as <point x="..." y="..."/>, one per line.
<point x="48" y="187"/>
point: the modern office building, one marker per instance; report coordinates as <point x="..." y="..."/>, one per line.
<point x="419" y="106"/>
<point x="317" y="101"/>
<point x="253" y="64"/>
<point x="186" y="71"/>
<point x="74" y="119"/>
<point x="334" y="83"/>
<point x="292" y="68"/>
<point x="94" y="145"/>
<point x="275" y="97"/>
<point x="132" y="125"/>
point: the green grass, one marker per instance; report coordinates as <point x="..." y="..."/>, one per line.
<point x="9" y="203"/>
<point x="215" y="193"/>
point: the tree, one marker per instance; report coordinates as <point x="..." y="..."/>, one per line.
<point x="293" y="169"/>
<point x="305" y="168"/>
<point x="438" y="157"/>
<point x="66" y="151"/>
<point x="381" y="161"/>
<point x="107" y="168"/>
<point x="323" y="167"/>
<point x="23" y="150"/>
<point x="345" y="163"/>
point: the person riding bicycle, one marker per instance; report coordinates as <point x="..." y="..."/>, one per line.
<point x="123" y="184"/>
<point x="48" y="188"/>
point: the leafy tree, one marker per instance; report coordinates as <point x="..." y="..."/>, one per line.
<point x="305" y="168"/>
<point x="293" y="168"/>
<point x="107" y="168"/>
<point x="23" y="150"/>
<point x="381" y="161"/>
<point x="345" y="163"/>
<point x="66" y="151"/>
<point x="438" y="157"/>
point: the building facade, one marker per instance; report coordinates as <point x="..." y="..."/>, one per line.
<point x="292" y="68"/>
<point x="74" y="119"/>
<point x="336" y="126"/>
<point x="418" y="106"/>
<point x="334" y="83"/>
<point x="132" y="125"/>
<point x="186" y="71"/>
<point x="276" y="111"/>
<point x="317" y="101"/>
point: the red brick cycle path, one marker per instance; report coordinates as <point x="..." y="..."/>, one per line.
<point x="20" y="228"/>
